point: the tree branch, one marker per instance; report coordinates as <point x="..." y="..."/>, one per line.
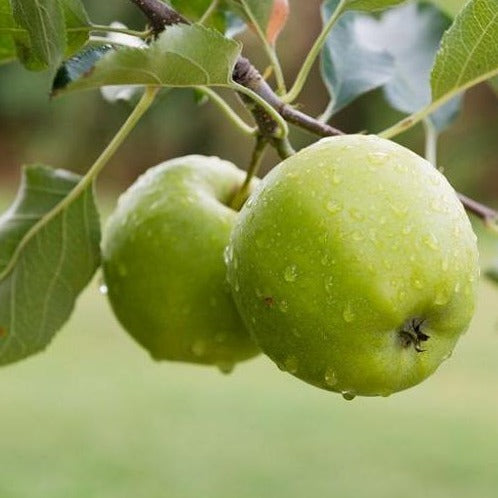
<point x="161" y="15"/>
<point x="487" y="214"/>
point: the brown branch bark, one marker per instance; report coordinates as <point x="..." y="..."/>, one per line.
<point x="160" y="15"/>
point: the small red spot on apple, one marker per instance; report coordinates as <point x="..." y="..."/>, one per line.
<point x="3" y="332"/>
<point x="269" y="301"/>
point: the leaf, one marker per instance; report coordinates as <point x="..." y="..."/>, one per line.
<point x="76" y="32"/>
<point x="76" y="20"/>
<point x="394" y="51"/>
<point x="469" y="50"/>
<point x="44" y="43"/>
<point x="372" y="4"/>
<point x="450" y="7"/>
<point x="7" y="26"/>
<point x="182" y="56"/>
<point x="49" y="251"/>
<point x="270" y="16"/>
<point x="221" y="19"/>
<point x="349" y="68"/>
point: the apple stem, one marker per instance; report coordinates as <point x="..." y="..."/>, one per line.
<point x="242" y="194"/>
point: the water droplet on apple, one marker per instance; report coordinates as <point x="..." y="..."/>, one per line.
<point x="442" y="297"/>
<point x="444" y="264"/>
<point x="329" y="284"/>
<point x="226" y="367"/>
<point x="250" y="202"/>
<point x="431" y="241"/>
<point x="103" y="289"/>
<point x="228" y="254"/>
<point x="334" y="207"/>
<point x="291" y="365"/>
<point x="348" y="314"/>
<point x="199" y="348"/>
<point x="330" y="378"/>
<point x="417" y="283"/>
<point x="356" y="214"/>
<point x="283" y="306"/>
<point x="290" y="273"/>
<point x="348" y="395"/>
<point x="376" y="158"/>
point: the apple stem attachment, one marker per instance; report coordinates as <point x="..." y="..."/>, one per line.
<point x="412" y="335"/>
<point x="243" y="192"/>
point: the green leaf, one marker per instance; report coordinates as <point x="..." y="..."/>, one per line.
<point x="76" y="32"/>
<point x="182" y="56"/>
<point x="350" y="68"/>
<point x="77" y="24"/>
<point x="450" y="7"/>
<point x="469" y="50"/>
<point x="371" y="5"/>
<point x="49" y="251"/>
<point x="44" y="43"/>
<point x="394" y="51"/>
<point x="221" y="19"/>
<point x="7" y="26"/>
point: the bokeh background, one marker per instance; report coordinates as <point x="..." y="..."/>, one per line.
<point x="95" y="417"/>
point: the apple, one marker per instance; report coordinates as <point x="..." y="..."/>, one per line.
<point x="163" y="263"/>
<point x="354" y="266"/>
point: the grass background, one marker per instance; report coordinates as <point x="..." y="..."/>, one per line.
<point x="93" y="416"/>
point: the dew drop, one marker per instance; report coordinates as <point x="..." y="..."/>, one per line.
<point x="249" y="202"/>
<point x="330" y="378"/>
<point x="199" y="348"/>
<point x="356" y="214"/>
<point x="442" y="297"/>
<point x="376" y="158"/>
<point x="348" y="314"/>
<point x="417" y="283"/>
<point x="444" y="264"/>
<point x="290" y="273"/>
<point x="228" y="254"/>
<point x="283" y="306"/>
<point x="348" y="395"/>
<point x="291" y="364"/>
<point x="334" y="207"/>
<point x="431" y="242"/>
<point x="226" y="367"/>
<point x="103" y="289"/>
<point x="329" y="284"/>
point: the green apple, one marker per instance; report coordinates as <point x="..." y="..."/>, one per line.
<point x="354" y="266"/>
<point x="163" y="251"/>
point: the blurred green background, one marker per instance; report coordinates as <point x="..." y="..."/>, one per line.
<point x="95" y="417"/>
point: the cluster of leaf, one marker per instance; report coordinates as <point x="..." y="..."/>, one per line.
<point x="41" y="33"/>
<point x="49" y="239"/>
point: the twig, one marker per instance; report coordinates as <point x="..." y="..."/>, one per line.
<point x="161" y="15"/>
<point x="245" y="74"/>
<point x="487" y="214"/>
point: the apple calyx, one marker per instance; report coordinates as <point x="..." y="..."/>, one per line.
<point x="412" y="335"/>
